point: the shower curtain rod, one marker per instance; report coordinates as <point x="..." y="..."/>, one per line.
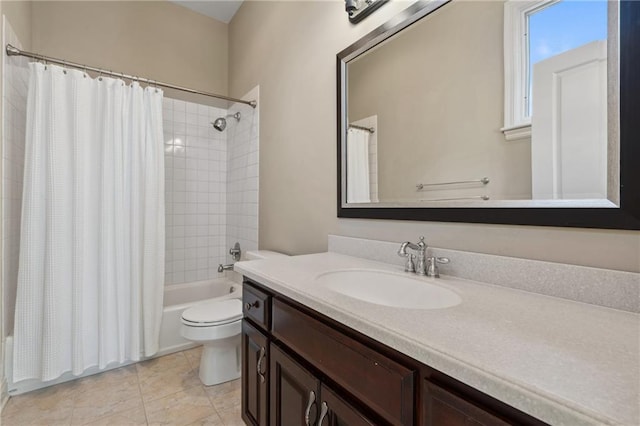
<point x="14" y="51"/>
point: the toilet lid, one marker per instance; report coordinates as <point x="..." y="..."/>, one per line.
<point x="214" y="312"/>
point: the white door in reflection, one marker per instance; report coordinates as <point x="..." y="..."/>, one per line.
<point x="569" y="124"/>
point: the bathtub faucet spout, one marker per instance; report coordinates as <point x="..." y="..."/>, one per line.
<point x="222" y="268"/>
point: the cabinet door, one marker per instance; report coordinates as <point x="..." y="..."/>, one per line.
<point x="382" y="384"/>
<point x="255" y="374"/>
<point x="294" y="392"/>
<point x="335" y="411"/>
<point x="443" y="408"/>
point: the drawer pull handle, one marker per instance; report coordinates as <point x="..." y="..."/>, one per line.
<point x="255" y="304"/>
<point x="323" y="413"/>
<point x="312" y="400"/>
<point x="259" y="364"/>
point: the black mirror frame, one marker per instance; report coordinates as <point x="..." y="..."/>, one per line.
<point x="626" y="216"/>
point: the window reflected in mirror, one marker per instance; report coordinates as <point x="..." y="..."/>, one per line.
<point x="557" y="27"/>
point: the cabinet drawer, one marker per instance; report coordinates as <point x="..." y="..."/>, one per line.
<point x="442" y="407"/>
<point x="377" y="381"/>
<point x="256" y="305"/>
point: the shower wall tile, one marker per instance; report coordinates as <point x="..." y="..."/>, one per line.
<point x="195" y="191"/>
<point x="242" y="175"/>
<point x="14" y="104"/>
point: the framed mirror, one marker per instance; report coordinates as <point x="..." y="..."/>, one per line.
<point x="512" y="112"/>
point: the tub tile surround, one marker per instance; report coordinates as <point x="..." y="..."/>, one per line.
<point x="121" y="397"/>
<point x="211" y="187"/>
<point x="603" y="287"/>
<point x="14" y="104"/>
<point x="242" y="175"/>
<point x="195" y="191"/>
<point x="558" y="360"/>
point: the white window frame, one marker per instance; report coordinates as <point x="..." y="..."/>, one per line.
<point x="517" y="125"/>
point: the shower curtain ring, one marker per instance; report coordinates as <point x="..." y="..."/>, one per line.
<point x="64" y="67"/>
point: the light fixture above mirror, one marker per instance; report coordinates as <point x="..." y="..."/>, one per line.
<point x="359" y="9"/>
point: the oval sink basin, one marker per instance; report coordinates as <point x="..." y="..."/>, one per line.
<point x="388" y="289"/>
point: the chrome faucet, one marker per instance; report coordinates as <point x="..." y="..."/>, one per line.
<point x="222" y="268"/>
<point x="421" y="267"/>
<point x="235" y="253"/>
<point x="426" y="265"/>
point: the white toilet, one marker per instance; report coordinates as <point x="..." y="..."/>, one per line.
<point x="217" y="325"/>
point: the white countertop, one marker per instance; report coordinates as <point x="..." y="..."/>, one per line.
<point x="564" y="362"/>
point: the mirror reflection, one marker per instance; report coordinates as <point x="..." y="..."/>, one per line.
<point x="482" y="102"/>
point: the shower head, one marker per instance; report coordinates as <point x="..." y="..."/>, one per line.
<point x="221" y="122"/>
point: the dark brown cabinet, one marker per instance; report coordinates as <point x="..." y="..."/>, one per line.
<point x="444" y="408"/>
<point x="302" y="368"/>
<point x="380" y="383"/>
<point x="294" y="391"/>
<point x="255" y="373"/>
<point x="338" y="412"/>
<point x="256" y="305"/>
<point x="300" y="398"/>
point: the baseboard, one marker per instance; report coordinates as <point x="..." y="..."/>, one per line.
<point x="174" y="349"/>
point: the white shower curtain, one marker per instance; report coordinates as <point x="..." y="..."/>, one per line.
<point x="358" y="190"/>
<point x="91" y="266"/>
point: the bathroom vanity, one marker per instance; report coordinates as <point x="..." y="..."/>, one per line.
<point x="301" y="367"/>
<point x="317" y="357"/>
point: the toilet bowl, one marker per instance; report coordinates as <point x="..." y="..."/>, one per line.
<point x="217" y="325"/>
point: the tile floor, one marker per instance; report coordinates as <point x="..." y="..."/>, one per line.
<point x="161" y="391"/>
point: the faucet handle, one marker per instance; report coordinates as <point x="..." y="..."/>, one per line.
<point x="432" y="269"/>
<point x="410" y="265"/>
<point x="235" y="251"/>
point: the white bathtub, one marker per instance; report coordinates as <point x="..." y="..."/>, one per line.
<point x="178" y="297"/>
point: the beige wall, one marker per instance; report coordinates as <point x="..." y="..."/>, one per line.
<point x="438" y="92"/>
<point x="289" y="49"/>
<point x="153" y="39"/>
<point x="19" y="13"/>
